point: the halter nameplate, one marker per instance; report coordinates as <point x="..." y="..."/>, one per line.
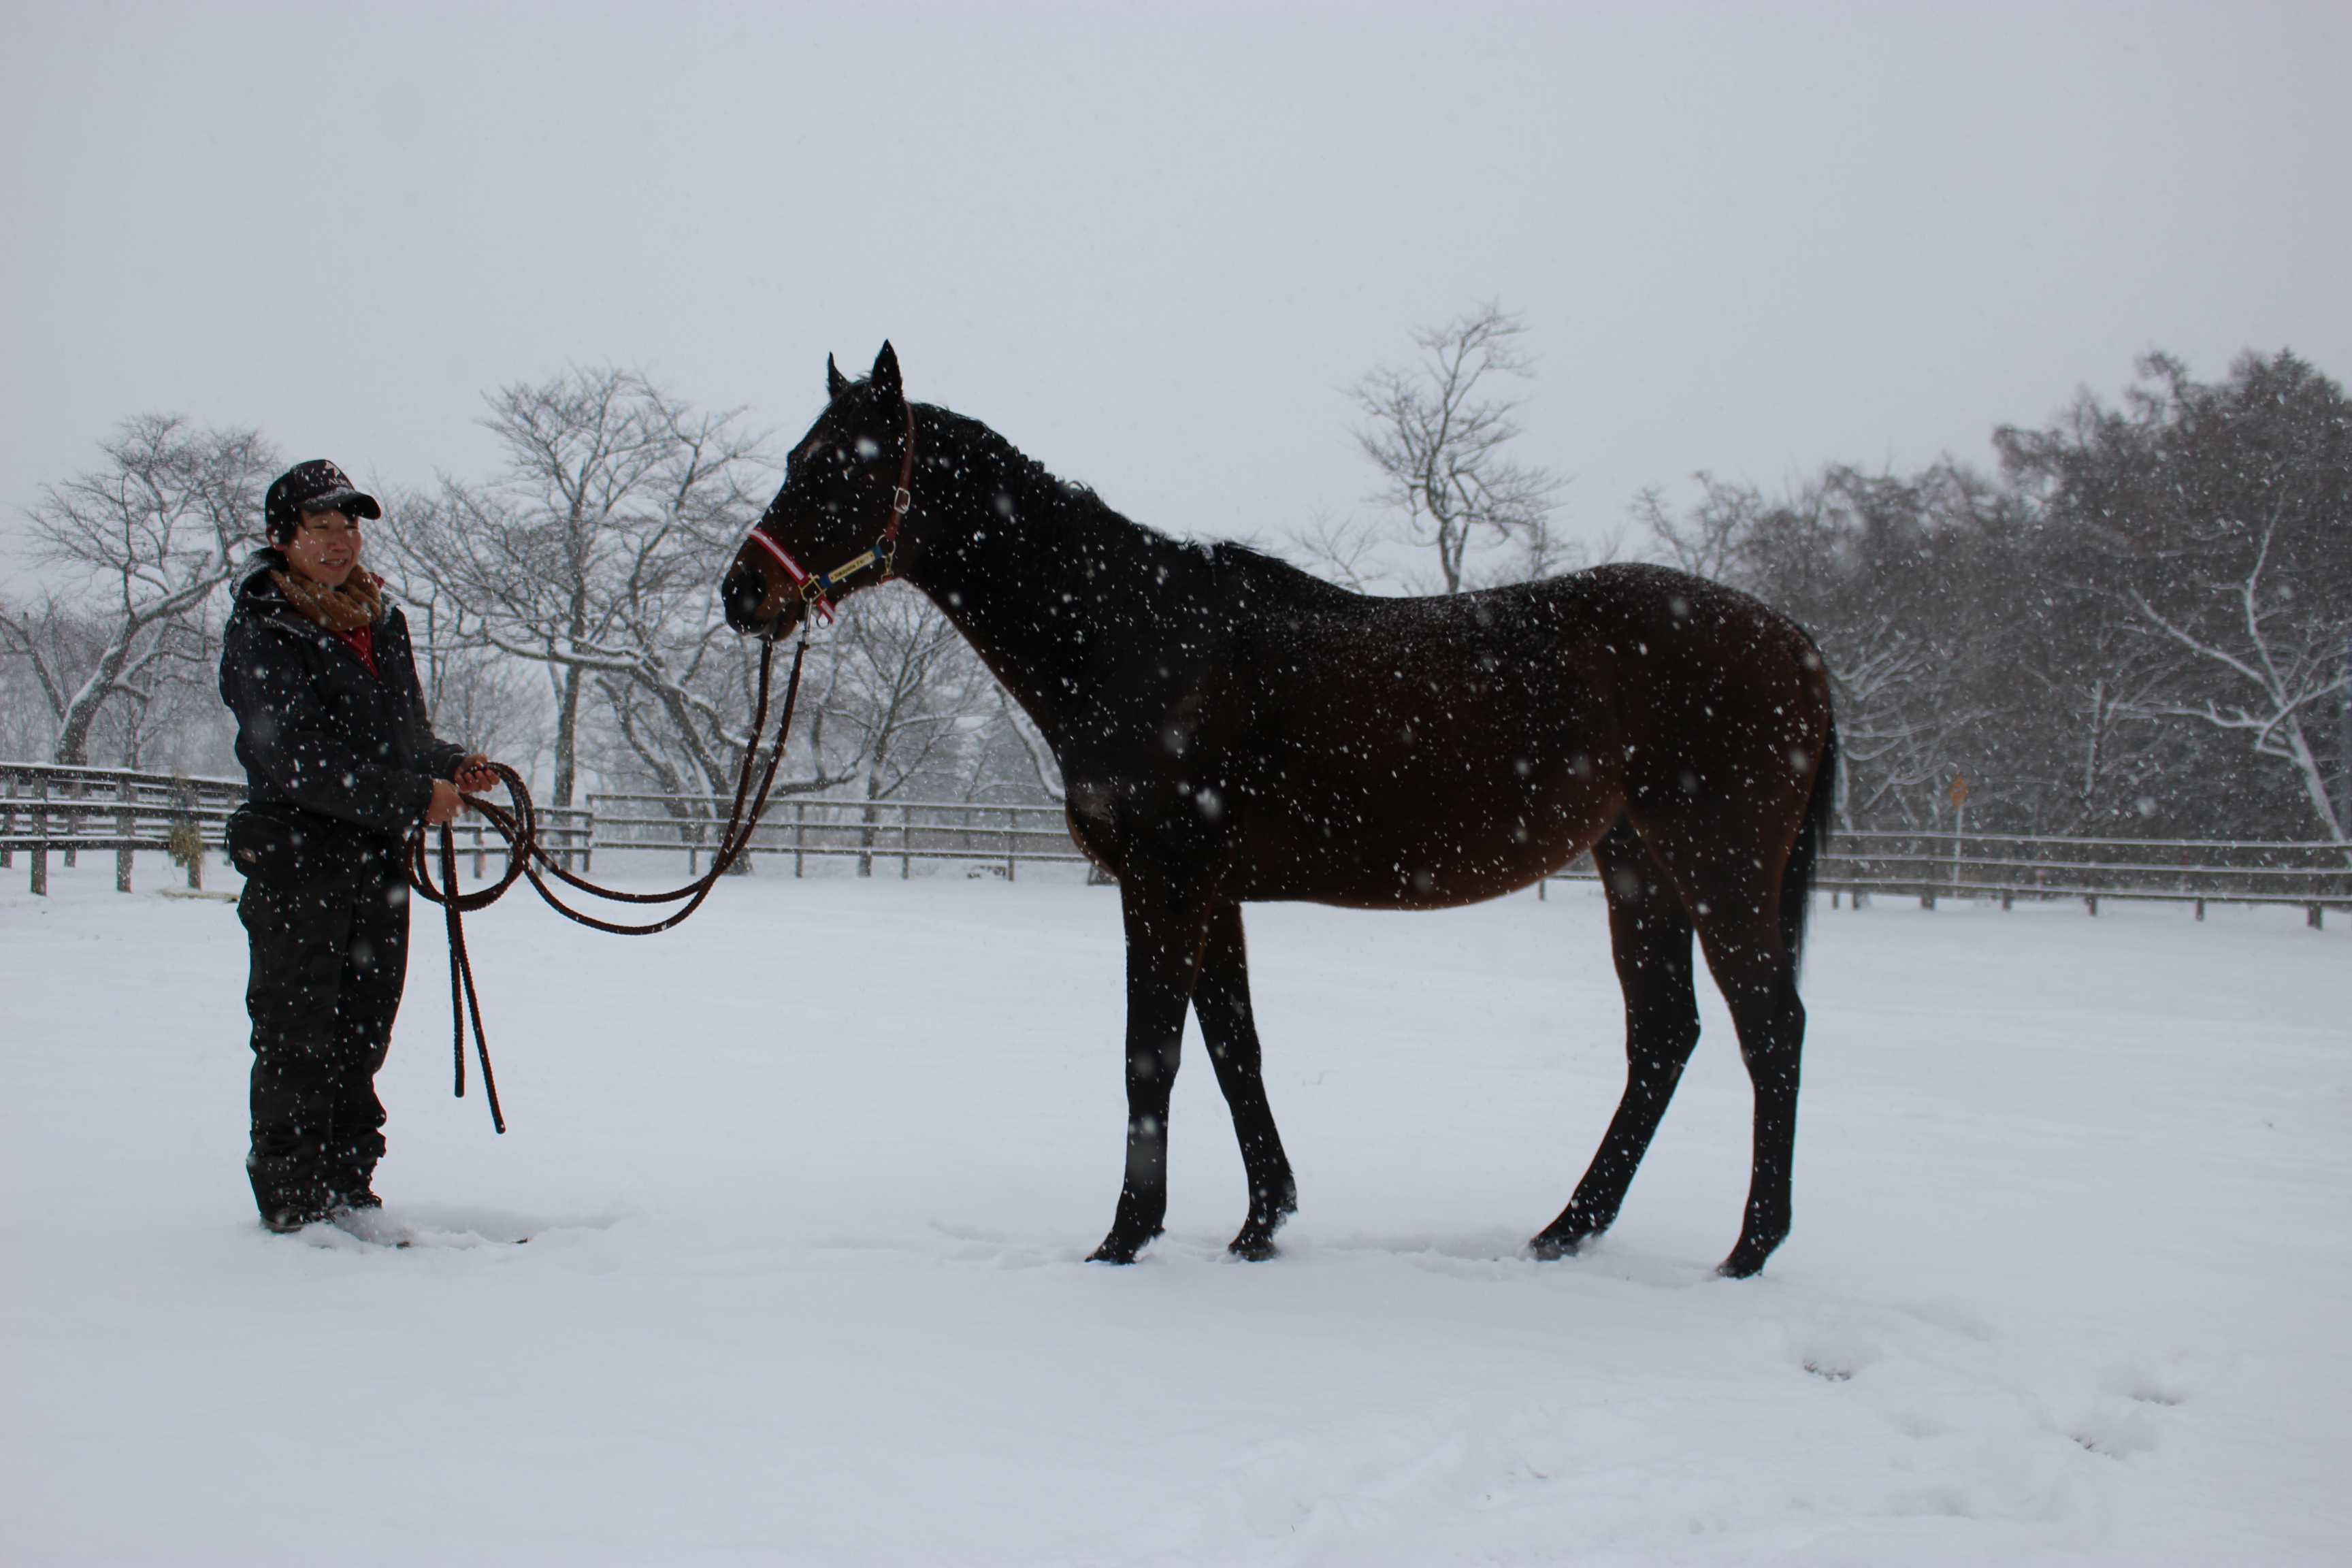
<point x="816" y="588"/>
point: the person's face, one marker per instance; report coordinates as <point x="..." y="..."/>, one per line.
<point x="325" y="547"/>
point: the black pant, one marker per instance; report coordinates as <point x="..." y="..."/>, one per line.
<point x="329" y="961"/>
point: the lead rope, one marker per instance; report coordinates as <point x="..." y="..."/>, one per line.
<point x="519" y="828"/>
<point x="461" y="980"/>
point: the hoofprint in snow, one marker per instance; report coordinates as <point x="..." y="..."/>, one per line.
<point x="808" y="1182"/>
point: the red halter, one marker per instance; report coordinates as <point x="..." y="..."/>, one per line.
<point x="817" y="587"/>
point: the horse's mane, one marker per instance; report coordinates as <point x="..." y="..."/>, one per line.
<point x="1079" y="504"/>
<point x="1262" y="571"/>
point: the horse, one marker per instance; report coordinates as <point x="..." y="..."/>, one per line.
<point x="1230" y="729"/>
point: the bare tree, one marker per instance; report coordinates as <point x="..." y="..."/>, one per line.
<point x="897" y="693"/>
<point x="2274" y="670"/>
<point x="593" y="553"/>
<point x="27" y="726"/>
<point x="151" y="539"/>
<point x="2088" y="682"/>
<point x="2216" y="520"/>
<point x="1707" y="541"/>
<point x="1438" y="439"/>
<point x="1043" y="768"/>
<point x="474" y="691"/>
<point x="1348" y="553"/>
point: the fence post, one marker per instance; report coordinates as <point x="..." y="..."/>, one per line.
<point x="800" y="835"/>
<point x="41" y="851"/>
<point x="125" y="824"/>
<point x="2091" y="904"/>
<point x="188" y="793"/>
<point x="906" y="843"/>
<point x="73" y="824"/>
<point x="2311" y="917"/>
<point x="8" y="822"/>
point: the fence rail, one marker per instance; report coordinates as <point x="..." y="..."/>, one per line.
<point x="810" y="828"/>
<point x="48" y="807"/>
<point x="1929" y="866"/>
<point x="2010" y="866"/>
<point x="45" y="807"/>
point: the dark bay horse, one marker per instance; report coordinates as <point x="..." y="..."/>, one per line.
<point x="1230" y="729"/>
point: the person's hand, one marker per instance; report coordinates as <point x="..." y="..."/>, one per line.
<point x="474" y="775"/>
<point x="446" y="804"/>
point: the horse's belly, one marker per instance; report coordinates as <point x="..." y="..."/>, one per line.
<point x="1403" y="853"/>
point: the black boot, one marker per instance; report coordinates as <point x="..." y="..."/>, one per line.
<point x="287" y="1189"/>
<point x="349" y="1181"/>
<point x="349" y="1194"/>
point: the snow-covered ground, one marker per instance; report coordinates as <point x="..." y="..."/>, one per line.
<point x="808" y="1184"/>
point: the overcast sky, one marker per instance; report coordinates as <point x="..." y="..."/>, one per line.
<point x="1154" y="245"/>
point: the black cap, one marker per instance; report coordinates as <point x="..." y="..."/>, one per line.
<point x="315" y="486"/>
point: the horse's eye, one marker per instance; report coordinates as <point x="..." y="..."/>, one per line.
<point x="867" y="448"/>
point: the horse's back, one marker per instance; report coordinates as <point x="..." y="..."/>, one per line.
<point x="1442" y="750"/>
<point x="1588" y="648"/>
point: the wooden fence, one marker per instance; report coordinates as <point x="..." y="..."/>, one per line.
<point x="46" y="808"/>
<point x="806" y="828"/>
<point x="1931" y="866"/>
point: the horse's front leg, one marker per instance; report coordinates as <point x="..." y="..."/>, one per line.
<point x="1165" y="929"/>
<point x="1220" y="1001"/>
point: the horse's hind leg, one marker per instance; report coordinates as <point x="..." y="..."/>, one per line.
<point x="1650" y="934"/>
<point x="1220" y="1001"/>
<point x="1748" y="955"/>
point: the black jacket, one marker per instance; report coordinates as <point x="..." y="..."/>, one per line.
<point x="314" y="729"/>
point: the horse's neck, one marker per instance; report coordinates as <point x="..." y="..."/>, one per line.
<point x="1044" y="580"/>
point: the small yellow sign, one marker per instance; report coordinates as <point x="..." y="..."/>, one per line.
<point x="1958" y="793"/>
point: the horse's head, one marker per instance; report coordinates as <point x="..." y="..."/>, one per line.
<point x="832" y="528"/>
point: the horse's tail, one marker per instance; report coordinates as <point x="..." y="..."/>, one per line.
<point x="1805" y="859"/>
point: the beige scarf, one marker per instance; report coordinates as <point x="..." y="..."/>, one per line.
<point x="345" y="609"/>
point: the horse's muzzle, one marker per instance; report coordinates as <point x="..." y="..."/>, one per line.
<point x="745" y="595"/>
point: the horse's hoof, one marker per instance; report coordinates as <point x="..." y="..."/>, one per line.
<point x="1117" y="1248"/>
<point x="1255" y="1249"/>
<point x="1745" y="1261"/>
<point x="1550" y="1248"/>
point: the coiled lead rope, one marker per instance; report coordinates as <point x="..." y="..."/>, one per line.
<point x="518" y="823"/>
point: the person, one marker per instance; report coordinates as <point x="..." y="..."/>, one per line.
<point x="342" y="765"/>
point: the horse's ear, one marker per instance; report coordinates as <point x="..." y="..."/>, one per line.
<point x="886" y="372"/>
<point x="835" y="384"/>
